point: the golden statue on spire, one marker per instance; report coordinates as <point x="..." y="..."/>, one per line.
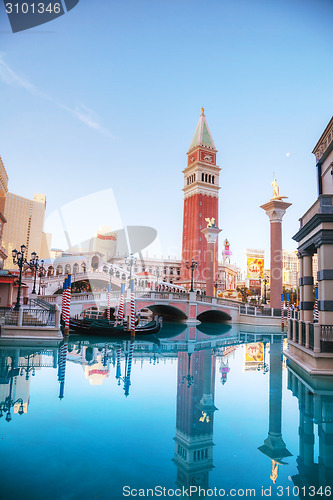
<point x="202" y="111"/>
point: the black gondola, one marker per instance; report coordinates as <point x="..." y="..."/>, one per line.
<point x="110" y="329"/>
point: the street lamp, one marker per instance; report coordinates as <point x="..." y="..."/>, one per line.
<point x="188" y="377"/>
<point x="19" y="259"/>
<point x="130" y="261"/>
<point x="41" y="275"/>
<point x="265" y="281"/>
<point x="216" y="284"/>
<point x="35" y="265"/>
<point x="8" y="403"/>
<point x="193" y="266"/>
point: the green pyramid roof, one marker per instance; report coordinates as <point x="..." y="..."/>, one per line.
<point x="202" y="135"/>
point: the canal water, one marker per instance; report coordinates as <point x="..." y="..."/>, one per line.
<point x="202" y="412"/>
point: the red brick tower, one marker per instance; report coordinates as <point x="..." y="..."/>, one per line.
<point x="201" y="199"/>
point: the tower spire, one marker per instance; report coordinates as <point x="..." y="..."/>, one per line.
<point x="202" y="136"/>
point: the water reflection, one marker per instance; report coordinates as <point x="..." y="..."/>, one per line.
<point x="209" y="360"/>
<point x="274" y="447"/>
<point x="315" y="447"/>
<point x="195" y="416"/>
<point x="17" y="363"/>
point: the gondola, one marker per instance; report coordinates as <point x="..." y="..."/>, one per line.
<point x="110" y="329"/>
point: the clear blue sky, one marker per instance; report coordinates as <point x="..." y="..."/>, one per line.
<point x="109" y="95"/>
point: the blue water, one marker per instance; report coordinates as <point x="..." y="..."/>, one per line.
<point x="190" y="411"/>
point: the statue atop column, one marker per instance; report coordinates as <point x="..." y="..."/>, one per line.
<point x="276" y="195"/>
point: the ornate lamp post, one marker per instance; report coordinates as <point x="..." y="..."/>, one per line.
<point x="193" y="266"/>
<point x="8" y="403"/>
<point x="188" y="377"/>
<point x="265" y="281"/>
<point x="35" y="265"/>
<point x="41" y="274"/>
<point x="19" y="259"/>
<point x="130" y="261"/>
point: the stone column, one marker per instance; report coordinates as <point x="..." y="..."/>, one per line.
<point x="274" y="446"/>
<point x="325" y="284"/>
<point x="307" y="283"/>
<point x="275" y="209"/>
<point x="211" y="234"/>
<point x="300" y="281"/>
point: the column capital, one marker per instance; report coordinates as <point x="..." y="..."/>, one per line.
<point x="275" y="209"/>
<point x="211" y="233"/>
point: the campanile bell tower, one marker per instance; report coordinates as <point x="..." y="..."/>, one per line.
<point x="201" y="199"/>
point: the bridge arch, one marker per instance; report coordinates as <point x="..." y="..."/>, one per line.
<point x="169" y="313"/>
<point x="213" y="316"/>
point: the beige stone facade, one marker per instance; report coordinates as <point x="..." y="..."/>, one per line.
<point x="25" y="221"/>
<point x="3" y="220"/>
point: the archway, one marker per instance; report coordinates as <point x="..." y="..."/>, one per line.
<point x="214" y="316"/>
<point x="169" y="313"/>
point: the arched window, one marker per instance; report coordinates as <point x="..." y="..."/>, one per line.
<point x="95" y="263"/>
<point x="83" y="267"/>
<point x="117" y="274"/>
<point x="105" y="269"/>
<point x="213" y="178"/>
<point x="123" y="276"/>
<point x="59" y="270"/>
<point x="76" y="268"/>
<point x="68" y="269"/>
<point x="209" y="178"/>
<point x="206" y="176"/>
<point x="203" y="177"/>
<point x="50" y="271"/>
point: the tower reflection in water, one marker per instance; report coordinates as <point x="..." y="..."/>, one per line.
<point x="315" y="451"/>
<point x="195" y="417"/>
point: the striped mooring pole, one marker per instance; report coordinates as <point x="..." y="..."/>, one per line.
<point x="68" y="304"/>
<point x="109" y="302"/>
<point x="62" y="371"/>
<point x="121" y="304"/>
<point x="129" y="369"/>
<point x="118" y="370"/>
<point x="64" y="287"/>
<point x="132" y="317"/>
<point x="282" y="312"/>
<point x="316" y="311"/>
<point x="288" y="306"/>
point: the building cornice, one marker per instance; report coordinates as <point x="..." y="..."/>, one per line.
<point x="311" y="225"/>
<point x="325" y="144"/>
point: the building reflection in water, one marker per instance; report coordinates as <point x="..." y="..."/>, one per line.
<point x="315" y="403"/>
<point x="195" y="417"/>
<point x="17" y="365"/>
<point x="274" y="447"/>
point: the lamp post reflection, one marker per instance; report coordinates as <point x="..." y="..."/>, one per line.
<point x="9" y="402"/>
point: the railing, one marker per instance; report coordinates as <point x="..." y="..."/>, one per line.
<point x="296" y="332"/>
<point x="30" y="317"/>
<point x="311" y="336"/>
<point x="326" y="338"/>
<point x="43" y="304"/>
<point x="38" y="317"/>
<point x="303" y="329"/>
